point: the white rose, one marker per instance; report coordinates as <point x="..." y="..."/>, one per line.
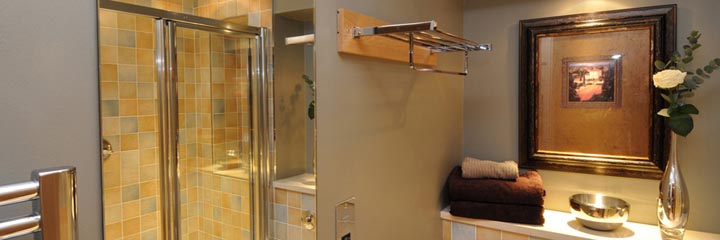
<point x="669" y="78"/>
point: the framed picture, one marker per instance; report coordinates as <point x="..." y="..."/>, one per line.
<point x="587" y="102"/>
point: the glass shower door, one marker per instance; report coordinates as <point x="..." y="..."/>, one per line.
<point x="214" y="138"/>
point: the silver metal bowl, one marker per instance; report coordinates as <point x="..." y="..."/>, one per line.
<point x="599" y="212"/>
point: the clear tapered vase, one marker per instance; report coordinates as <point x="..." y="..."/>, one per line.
<point x="673" y="202"/>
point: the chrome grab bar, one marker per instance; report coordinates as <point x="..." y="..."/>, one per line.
<point x="54" y="205"/>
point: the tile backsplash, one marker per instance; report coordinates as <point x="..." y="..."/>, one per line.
<point x="461" y="231"/>
<point x="289" y="209"/>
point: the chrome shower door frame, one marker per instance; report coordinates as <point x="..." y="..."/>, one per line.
<point x="262" y="142"/>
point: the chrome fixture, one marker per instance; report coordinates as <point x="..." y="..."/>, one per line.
<point x="427" y="35"/>
<point x="308" y="220"/>
<point x="107" y="149"/>
<point x="54" y="202"/>
<point x="599" y="212"/>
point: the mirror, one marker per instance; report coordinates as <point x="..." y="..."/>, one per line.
<point x="294" y="104"/>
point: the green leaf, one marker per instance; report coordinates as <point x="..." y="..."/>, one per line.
<point x="713" y="64"/>
<point x="695" y="33"/>
<point x="681" y="124"/>
<point x="717" y="61"/>
<point x="708" y="69"/>
<point x="692" y="40"/>
<point x="698" y="80"/>
<point x="687" y="109"/>
<point x="690" y="84"/>
<point x="700" y="72"/>
<point x="687" y="59"/>
<point x="696" y="46"/>
<point x="660" y="65"/>
<point x="676" y="57"/>
<point x="311" y="110"/>
<point x="687" y="94"/>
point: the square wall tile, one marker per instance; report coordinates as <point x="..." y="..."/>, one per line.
<point x="487" y="233"/>
<point x="461" y="231"/>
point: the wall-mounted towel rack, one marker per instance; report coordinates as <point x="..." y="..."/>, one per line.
<point x="424" y="40"/>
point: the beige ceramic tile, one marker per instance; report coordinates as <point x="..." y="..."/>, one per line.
<point x="146" y="107"/>
<point x="144" y="40"/>
<point x="294" y="199"/>
<point x="128" y="107"/>
<point x="127" y="90"/>
<point x="127" y="55"/>
<point x="131" y="226"/>
<point x="129" y="142"/>
<point x="108" y="55"/>
<point x="109" y="91"/>
<point x="148" y="189"/>
<point x="146" y="123"/>
<point x="110" y="126"/>
<point x="114" y="231"/>
<point x="131" y="209"/>
<point x="112" y="196"/>
<point x="487" y="233"/>
<point x="294" y="216"/>
<point x="126" y="21"/>
<point x="107" y="18"/>
<point x="108" y="73"/>
<point x="145" y="57"/>
<point x="144" y="24"/>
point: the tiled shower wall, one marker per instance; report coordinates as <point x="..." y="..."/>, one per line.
<point x="212" y="205"/>
<point x="289" y="207"/>
<point x="212" y="122"/>
<point x="129" y="123"/>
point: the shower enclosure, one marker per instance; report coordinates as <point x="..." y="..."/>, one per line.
<point x="186" y="122"/>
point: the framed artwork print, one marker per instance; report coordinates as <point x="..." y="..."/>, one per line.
<point x="587" y="102"/>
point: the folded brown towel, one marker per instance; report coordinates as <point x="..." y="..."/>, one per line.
<point x="476" y="168"/>
<point x="527" y="189"/>
<point x="499" y="212"/>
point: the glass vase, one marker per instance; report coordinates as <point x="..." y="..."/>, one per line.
<point x="673" y="202"/>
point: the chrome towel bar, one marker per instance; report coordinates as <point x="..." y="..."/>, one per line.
<point x="427" y="35"/>
<point x="54" y="205"/>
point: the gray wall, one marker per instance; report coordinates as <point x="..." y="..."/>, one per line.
<point x="491" y="117"/>
<point x="386" y="135"/>
<point x="48" y="98"/>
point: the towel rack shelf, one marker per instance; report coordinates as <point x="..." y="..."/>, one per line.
<point x="425" y="35"/>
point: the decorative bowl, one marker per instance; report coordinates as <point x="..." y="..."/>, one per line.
<point x="599" y="212"/>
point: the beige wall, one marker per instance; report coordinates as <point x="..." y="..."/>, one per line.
<point x="491" y="118"/>
<point x="49" y="99"/>
<point x="386" y="135"/>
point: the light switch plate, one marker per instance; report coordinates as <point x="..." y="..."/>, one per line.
<point x="345" y="219"/>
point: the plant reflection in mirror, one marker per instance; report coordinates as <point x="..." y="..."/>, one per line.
<point x="311" y="107"/>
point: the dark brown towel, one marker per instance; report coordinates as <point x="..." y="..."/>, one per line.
<point x="499" y="212"/>
<point x="525" y="190"/>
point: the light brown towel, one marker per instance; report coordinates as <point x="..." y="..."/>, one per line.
<point x="475" y="168"/>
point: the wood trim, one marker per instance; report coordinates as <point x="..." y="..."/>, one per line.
<point x="375" y="46"/>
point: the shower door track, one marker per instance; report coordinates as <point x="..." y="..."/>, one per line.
<point x="262" y="170"/>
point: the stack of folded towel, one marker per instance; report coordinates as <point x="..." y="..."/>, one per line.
<point x="496" y="191"/>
